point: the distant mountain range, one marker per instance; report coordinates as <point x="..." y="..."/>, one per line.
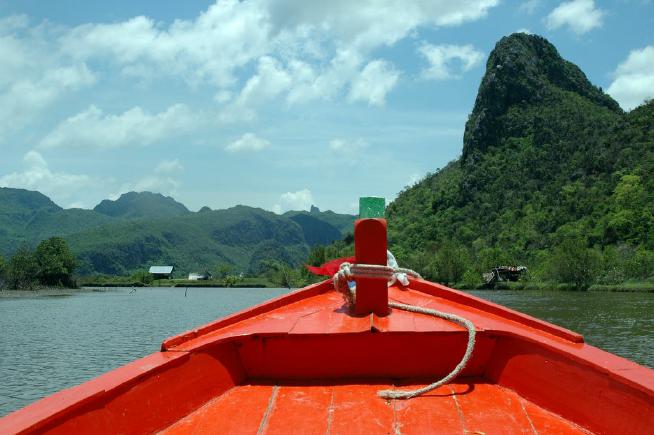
<point x="143" y="228"/>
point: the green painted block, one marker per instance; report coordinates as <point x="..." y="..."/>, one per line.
<point x="371" y="207"/>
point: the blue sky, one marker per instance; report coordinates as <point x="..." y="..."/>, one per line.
<point x="277" y="104"/>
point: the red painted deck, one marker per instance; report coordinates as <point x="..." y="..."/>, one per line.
<point x="459" y="408"/>
<point x="302" y="363"/>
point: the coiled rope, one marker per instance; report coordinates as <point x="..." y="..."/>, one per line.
<point x="348" y="271"/>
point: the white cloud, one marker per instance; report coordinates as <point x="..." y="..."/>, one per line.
<point x="300" y="200"/>
<point x="60" y="186"/>
<point x="135" y="127"/>
<point x="347" y="146"/>
<point x="414" y="178"/>
<point x="375" y="81"/>
<point x="228" y="35"/>
<point x="363" y="25"/>
<point x="302" y="51"/>
<point x="165" y="185"/>
<point x="311" y="83"/>
<point x="441" y="60"/>
<point x="23" y="98"/>
<point x="168" y="166"/>
<point x="634" y="78"/>
<point x="299" y="46"/>
<point x="580" y="16"/>
<point x="162" y="180"/>
<point x="525" y="31"/>
<point x="269" y="81"/>
<point x="530" y="6"/>
<point x="34" y="74"/>
<point x="247" y="142"/>
<point x="223" y="96"/>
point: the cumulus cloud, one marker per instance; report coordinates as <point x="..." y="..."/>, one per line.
<point x="23" y="99"/>
<point x="414" y="178"/>
<point x="375" y="81"/>
<point x="168" y="166"/>
<point x="580" y="16"/>
<point x="449" y="61"/>
<point x="269" y="81"/>
<point x="165" y="185"/>
<point x="302" y="51"/>
<point x="633" y="80"/>
<point x="37" y="175"/>
<point x="134" y="127"/>
<point x="530" y="6"/>
<point x="231" y="33"/>
<point x="298" y="51"/>
<point x="292" y="41"/>
<point x="300" y="200"/>
<point x="163" y="179"/>
<point x="247" y="142"/>
<point x="34" y="74"/>
<point x="310" y="83"/>
<point x="347" y="146"/>
<point x="368" y="24"/>
<point x="228" y="35"/>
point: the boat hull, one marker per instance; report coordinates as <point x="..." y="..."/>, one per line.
<point x="303" y="362"/>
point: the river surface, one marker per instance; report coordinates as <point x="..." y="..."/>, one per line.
<point x="54" y="342"/>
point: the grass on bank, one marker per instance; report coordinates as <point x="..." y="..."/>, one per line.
<point x="128" y="281"/>
<point x="627" y="287"/>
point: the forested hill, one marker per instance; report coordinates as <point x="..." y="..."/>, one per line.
<point x="552" y="172"/>
<point x="140" y="229"/>
<point x="141" y="205"/>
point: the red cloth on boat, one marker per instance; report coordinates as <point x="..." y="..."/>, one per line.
<point x="329" y="268"/>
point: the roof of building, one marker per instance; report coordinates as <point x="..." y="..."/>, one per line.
<point x="161" y="269"/>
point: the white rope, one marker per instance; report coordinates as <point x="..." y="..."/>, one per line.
<point x="408" y="394"/>
<point x="348" y="271"/>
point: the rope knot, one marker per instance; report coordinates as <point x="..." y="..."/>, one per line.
<point x="392" y="273"/>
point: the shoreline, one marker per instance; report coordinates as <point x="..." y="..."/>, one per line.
<point x="46" y="292"/>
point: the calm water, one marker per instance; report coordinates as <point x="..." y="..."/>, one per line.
<point x="50" y="343"/>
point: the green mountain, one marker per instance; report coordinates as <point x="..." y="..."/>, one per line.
<point x="138" y="205"/>
<point x="240" y="236"/>
<point x="321" y="226"/>
<point x="551" y="166"/>
<point x="27" y="217"/>
<point x="141" y="229"/>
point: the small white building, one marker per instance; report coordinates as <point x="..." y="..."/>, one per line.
<point x="199" y="276"/>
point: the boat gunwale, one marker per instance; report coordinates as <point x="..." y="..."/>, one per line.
<point x="423" y="286"/>
<point x="170" y="343"/>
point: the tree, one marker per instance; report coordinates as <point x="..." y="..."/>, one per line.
<point x="317" y="256"/>
<point x="55" y="262"/>
<point x="142" y="276"/>
<point x="573" y="263"/>
<point x="3" y="267"/>
<point x="278" y="272"/>
<point x="451" y="262"/>
<point x="22" y="270"/>
<point x="223" y="270"/>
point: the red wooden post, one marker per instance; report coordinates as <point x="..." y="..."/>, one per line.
<point x="370" y="248"/>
